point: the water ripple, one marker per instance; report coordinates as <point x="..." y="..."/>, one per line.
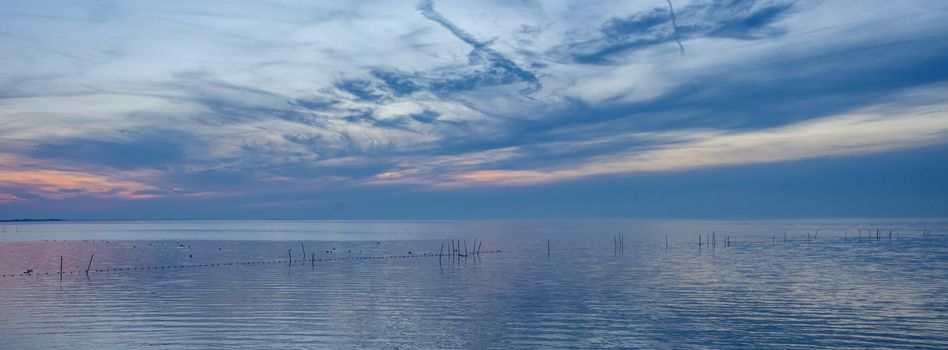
<point x="188" y="285"/>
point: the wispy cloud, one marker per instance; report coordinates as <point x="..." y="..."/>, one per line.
<point x="266" y="100"/>
<point x="884" y="127"/>
<point x="498" y="69"/>
<point x="53" y="184"/>
<point x="742" y="19"/>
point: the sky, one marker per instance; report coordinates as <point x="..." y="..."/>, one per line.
<point x="490" y="109"/>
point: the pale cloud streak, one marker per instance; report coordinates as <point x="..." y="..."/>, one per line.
<point x="884" y="127"/>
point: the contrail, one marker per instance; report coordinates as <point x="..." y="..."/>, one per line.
<point x="426" y="7"/>
<point x="675" y="27"/>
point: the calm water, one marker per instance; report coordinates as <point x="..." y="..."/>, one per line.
<point x="193" y="284"/>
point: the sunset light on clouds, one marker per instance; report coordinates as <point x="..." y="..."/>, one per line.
<point x="135" y="105"/>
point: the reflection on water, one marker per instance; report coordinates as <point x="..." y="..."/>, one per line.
<point x="831" y="290"/>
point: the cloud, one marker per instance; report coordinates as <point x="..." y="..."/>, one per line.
<point x="883" y="127"/>
<point x="6" y="198"/>
<point x="131" y="150"/>
<point x="262" y="101"/>
<point x="496" y="69"/>
<point x="741" y="19"/>
<point x="674" y="20"/>
<point x="58" y="185"/>
<point x="396" y="82"/>
<point x="361" y="89"/>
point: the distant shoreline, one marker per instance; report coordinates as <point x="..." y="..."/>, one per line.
<point x="30" y="220"/>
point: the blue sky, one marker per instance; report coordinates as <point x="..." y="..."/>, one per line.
<point x="506" y="109"/>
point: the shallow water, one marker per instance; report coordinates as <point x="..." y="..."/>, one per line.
<point x="229" y="284"/>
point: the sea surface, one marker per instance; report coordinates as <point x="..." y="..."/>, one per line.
<point x="554" y="284"/>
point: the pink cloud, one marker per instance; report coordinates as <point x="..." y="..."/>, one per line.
<point x="55" y="184"/>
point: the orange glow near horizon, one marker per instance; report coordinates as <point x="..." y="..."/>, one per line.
<point x="55" y="184"/>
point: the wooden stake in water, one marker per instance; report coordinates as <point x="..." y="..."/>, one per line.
<point x="289" y="253"/>
<point x="60" y="268"/>
<point x="90" y="264"/>
<point x="312" y="260"/>
<point x="547" y="249"/>
<point x="304" y="251"/>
